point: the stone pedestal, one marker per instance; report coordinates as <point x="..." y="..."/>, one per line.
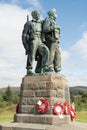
<point x="52" y="87"/>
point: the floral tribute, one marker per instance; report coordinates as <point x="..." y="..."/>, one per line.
<point x="43" y="105"/>
<point x="64" y="109"/>
<point x="69" y="110"/>
<point x="17" y="107"/>
<point x="58" y="108"/>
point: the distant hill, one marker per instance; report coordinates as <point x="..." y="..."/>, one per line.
<point x="78" y="89"/>
<point x="15" y="90"/>
<point x="74" y="90"/>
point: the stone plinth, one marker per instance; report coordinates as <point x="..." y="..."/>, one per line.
<point x="52" y="87"/>
<point x="42" y="119"/>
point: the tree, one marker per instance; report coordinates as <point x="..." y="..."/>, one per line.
<point x="7" y="95"/>
<point x="84" y="97"/>
<point x="72" y="97"/>
<point x="15" y="98"/>
<point x="1" y="96"/>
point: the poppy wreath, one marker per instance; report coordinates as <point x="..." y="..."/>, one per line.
<point x="72" y="113"/>
<point x="43" y="105"/>
<point x="58" y="108"/>
<point x="17" y="107"/>
<point x="68" y="110"/>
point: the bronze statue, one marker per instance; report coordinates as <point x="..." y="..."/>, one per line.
<point x="41" y="42"/>
<point x="32" y="40"/>
<point x="52" y="37"/>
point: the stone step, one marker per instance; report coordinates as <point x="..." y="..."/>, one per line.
<point x="21" y="126"/>
<point x="41" y="119"/>
<point x="30" y="126"/>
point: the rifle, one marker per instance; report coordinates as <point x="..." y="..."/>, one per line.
<point x="27" y="18"/>
<point x="25" y="36"/>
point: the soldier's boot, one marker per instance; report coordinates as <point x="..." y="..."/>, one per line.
<point x="30" y="72"/>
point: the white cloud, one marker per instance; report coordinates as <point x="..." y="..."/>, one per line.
<point x="81" y="47"/>
<point x="75" y="62"/>
<point x="77" y="80"/>
<point x="35" y="3"/>
<point x="65" y="55"/>
<point x="12" y="53"/>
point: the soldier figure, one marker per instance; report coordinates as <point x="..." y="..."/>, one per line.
<point x="32" y="41"/>
<point x="52" y="36"/>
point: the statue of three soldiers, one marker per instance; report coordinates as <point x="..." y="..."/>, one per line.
<point x="41" y="42"/>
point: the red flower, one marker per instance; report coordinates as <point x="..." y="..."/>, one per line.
<point x="58" y="108"/>
<point x="73" y="114"/>
<point x="68" y="110"/>
<point x="43" y="105"/>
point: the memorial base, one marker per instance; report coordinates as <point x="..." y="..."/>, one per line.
<point x="42" y="119"/>
<point x="55" y="89"/>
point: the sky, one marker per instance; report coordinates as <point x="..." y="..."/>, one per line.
<point x="72" y="19"/>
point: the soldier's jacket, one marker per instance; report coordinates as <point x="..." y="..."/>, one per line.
<point x="51" y="30"/>
<point x="32" y="29"/>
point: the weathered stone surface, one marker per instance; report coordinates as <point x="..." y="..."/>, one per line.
<point x="27" y="109"/>
<point x="60" y="93"/>
<point x="33" y="101"/>
<point x="67" y="94"/>
<point x="28" y="93"/>
<point x="58" y="81"/>
<point x="33" y="85"/>
<point x="30" y="126"/>
<point x="33" y="88"/>
<point x="24" y="101"/>
<point x="46" y="93"/>
<point x="41" y="119"/>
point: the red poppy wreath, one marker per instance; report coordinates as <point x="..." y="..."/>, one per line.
<point x="58" y="108"/>
<point x="43" y="105"/>
<point x="69" y="110"/>
<point x="17" y="107"/>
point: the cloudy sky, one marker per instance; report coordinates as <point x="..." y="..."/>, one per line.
<point x="72" y="20"/>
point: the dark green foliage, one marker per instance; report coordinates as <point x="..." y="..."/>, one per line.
<point x="80" y="101"/>
<point x="1" y="96"/>
<point x="15" y="99"/>
<point x="7" y="96"/>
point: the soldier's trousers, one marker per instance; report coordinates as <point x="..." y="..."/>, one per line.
<point x="37" y="45"/>
<point x="54" y="56"/>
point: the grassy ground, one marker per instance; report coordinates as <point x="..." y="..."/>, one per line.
<point x="82" y="116"/>
<point x="7" y="114"/>
<point x="6" y="118"/>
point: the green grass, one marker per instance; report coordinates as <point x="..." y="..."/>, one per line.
<point x="6" y="117"/>
<point x="82" y="116"/>
<point x="7" y="114"/>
